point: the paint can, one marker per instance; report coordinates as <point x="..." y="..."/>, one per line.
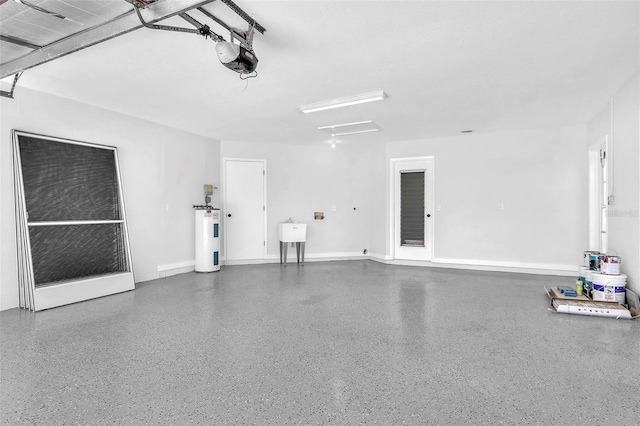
<point x="582" y="270"/>
<point x="586" y="257"/>
<point x="609" y="288"/>
<point x="594" y="261"/>
<point x="610" y="265"/>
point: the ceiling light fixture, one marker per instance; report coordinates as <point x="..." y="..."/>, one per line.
<point x="345" y="124"/>
<point x="355" y="132"/>
<point x="343" y="102"/>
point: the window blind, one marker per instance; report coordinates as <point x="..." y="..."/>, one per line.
<point x="412" y="208"/>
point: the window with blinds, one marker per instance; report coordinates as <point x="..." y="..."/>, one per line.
<point x="412" y="208"/>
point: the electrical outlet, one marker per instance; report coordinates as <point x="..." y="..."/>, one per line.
<point x="333" y="208"/>
<point x="500" y="206"/>
<point x="611" y="200"/>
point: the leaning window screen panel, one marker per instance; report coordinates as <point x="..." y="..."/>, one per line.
<point x="412" y="208"/>
<point x="71" y="222"/>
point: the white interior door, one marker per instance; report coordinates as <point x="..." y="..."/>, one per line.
<point x="244" y="209"/>
<point x="412" y="183"/>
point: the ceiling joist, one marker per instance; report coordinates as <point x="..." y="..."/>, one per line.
<point x="123" y="24"/>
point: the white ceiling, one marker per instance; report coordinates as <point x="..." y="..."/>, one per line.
<point x="446" y="66"/>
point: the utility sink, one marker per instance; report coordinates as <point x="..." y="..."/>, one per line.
<point x="292" y="232"/>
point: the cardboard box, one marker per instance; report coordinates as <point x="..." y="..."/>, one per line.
<point x="554" y="293"/>
<point x="581" y="305"/>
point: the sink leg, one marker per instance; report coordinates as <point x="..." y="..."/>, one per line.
<point x="280" y="252"/>
<point x="298" y="252"/>
<point x="284" y="245"/>
<point x="302" y="250"/>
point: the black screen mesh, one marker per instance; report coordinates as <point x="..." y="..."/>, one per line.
<point x="67" y="252"/>
<point x="64" y="181"/>
<point x="71" y="182"/>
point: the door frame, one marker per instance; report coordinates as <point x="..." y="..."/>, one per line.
<point x="394" y="185"/>
<point x="598" y="206"/>
<point x="225" y="161"/>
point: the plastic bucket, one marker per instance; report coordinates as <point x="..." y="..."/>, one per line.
<point x="588" y="284"/>
<point x="588" y="278"/>
<point x="594" y="261"/>
<point x="610" y="265"/>
<point x="586" y="259"/>
<point x="608" y="288"/>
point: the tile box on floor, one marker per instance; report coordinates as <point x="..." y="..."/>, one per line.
<point x="583" y="305"/>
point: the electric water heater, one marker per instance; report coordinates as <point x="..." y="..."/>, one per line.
<point x="207" y="239"/>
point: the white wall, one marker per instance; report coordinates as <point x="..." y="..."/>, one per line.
<point x="163" y="171"/>
<point x="538" y="175"/>
<point x="624" y="217"/>
<point x="303" y="179"/>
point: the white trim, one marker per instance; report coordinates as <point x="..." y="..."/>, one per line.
<point x="123" y="212"/>
<point x="178" y="271"/>
<point x="81" y="290"/>
<point x="467" y="264"/>
<point x="177" y="265"/>
<point x="487" y="265"/>
<point x="597" y="198"/>
<point x="64" y="140"/>
<point x="319" y="257"/>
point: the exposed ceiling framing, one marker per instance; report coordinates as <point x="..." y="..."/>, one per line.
<point x="40" y="31"/>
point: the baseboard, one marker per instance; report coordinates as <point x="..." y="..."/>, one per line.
<point x="486" y="265"/>
<point x="470" y="264"/>
<point x="171" y="269"/>
<point x="318" y="257"/>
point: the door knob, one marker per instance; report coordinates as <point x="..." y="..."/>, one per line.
<point x="229" y="215"/>
<point x="428" y="215"/>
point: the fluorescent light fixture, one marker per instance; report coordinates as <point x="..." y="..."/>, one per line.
<point x="343" y="102"/>
<point x="345" y="124"/>
<point x="356" y="132"/>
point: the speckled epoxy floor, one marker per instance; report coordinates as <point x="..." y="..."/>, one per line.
<point x="328" y="343"/>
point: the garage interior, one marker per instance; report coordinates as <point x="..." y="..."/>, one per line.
<point x="504" y="104"/>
